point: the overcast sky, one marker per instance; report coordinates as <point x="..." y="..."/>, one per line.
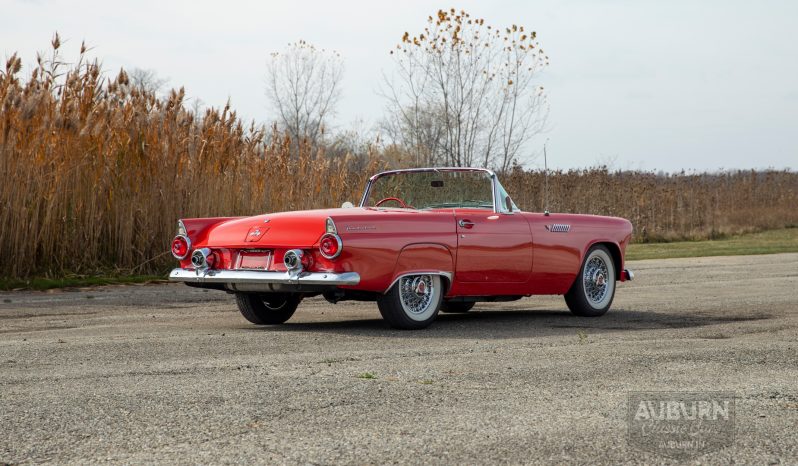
<point x="651" y="85"/>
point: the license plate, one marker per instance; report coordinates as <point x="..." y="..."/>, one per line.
<point x="254" y="260"/>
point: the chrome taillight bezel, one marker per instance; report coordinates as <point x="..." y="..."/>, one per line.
<point x="188" y="247"/>
<point x="337" y="239"/>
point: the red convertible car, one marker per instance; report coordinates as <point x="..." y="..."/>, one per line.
<point x="421" y="241"/>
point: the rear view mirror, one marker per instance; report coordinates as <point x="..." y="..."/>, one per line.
<point x="347" y="205"/>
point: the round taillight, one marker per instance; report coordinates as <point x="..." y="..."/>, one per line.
<point x="180" y="247"/>
<point x="330" y="246"/>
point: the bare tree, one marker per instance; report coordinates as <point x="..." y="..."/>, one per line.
<point x="303" y="88"/>
<point x="147" y="80"/>
<point x="464" y="92"/>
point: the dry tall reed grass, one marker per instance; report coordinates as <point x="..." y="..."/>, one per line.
<point x="683" y="206"/>
<point x="95" y="172"/>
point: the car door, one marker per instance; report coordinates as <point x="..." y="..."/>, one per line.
<point x="492" y="247"/>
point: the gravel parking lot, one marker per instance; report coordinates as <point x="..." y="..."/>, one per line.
<point x="167" y="373"/>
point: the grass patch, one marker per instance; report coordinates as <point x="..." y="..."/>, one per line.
<point x="7" y="284"/>
<point x="766" y="242"/>
<point x="366" y="375"/>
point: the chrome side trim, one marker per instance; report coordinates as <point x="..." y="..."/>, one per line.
<point x="252" y="277"/>
<point x="446" y="275"/>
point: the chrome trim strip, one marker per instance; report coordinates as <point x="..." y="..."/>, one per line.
<point x="446" y="275"/>
<point x="491" y="173"/>
<point x="252" y="277"/>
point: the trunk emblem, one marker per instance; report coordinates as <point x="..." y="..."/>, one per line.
<point x="255" y="233"/>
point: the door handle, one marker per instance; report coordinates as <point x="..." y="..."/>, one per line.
<point x="465" y="223"/>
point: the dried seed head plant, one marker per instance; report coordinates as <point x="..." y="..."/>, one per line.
<point x="96" y="171"/>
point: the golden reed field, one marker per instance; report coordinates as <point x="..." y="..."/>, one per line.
<point x="95" y="172"/>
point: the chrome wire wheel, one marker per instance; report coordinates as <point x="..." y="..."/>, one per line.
<point x="593" y="288"/>
<point x="595" y="278"/>
<point x="598" y="279"/>
<point x="413" y="301"/>
<point x="416" y="294"/>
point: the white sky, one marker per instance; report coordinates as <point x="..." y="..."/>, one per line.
<point x="639" y="84"/>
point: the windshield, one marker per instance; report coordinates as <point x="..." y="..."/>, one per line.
<point x="432" y="190"/>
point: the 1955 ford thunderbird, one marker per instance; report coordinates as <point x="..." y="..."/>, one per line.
<point x="422" y="241"/>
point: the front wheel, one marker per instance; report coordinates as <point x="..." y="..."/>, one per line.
<point x="594" y="288"/>
<point x="267" y="308"/>
<point x="413" y="302"/>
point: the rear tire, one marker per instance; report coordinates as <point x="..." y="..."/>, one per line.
<point x="267" y="308"/>
<point x="594" y="288"/>
<point x="456" y="307"/>
<point x="413" y="302"/>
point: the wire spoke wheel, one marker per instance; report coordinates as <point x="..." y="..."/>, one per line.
<point x="595" y="280"/>
<point x="416" y="293"/>
<point x="594" y="288"/>
<point x="413" y="301"/>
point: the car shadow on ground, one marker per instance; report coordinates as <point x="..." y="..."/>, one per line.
<point x="520" y="323"/>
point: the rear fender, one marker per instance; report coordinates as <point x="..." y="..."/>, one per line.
<point x="433" y="259"/>
<point x="197" y="228"/>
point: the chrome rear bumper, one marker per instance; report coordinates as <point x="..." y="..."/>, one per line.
<point x="628" y="275"/>
<point x="253" y="280"/>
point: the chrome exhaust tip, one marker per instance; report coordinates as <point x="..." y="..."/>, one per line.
<point x="199" y="259"/>
<point x="293" y="260"/>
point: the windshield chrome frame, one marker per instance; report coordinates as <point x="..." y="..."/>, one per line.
<point x="494" y="181"/>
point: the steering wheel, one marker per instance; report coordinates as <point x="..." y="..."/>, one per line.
<point x="382" y="201"/>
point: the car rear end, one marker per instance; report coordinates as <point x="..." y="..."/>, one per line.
<point x="261" y="254"/>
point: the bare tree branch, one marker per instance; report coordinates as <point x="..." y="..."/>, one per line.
<point x="468" y="85"/>
<point x="303" y="88"/>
